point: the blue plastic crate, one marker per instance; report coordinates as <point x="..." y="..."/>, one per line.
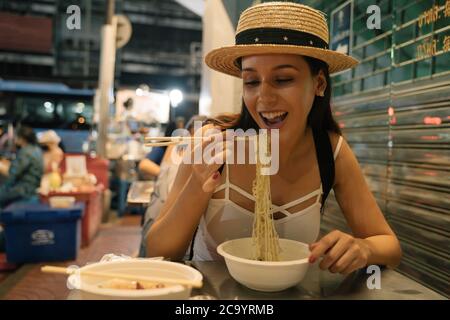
<point x="39" y="233"/>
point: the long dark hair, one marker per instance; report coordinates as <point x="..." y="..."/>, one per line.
<point x="320" y="116"/>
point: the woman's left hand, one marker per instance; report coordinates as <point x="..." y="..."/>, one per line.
<point x="342" y="253"/>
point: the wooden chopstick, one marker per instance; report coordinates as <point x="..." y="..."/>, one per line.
<point x="62" y="270"/>
<point x="161" y="144"/>
<point x="193" y="138"/>
<point x="167" y="141"/>
<point x="175" y="138"/>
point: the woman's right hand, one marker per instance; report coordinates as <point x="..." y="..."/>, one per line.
<point x="213" y="152"/>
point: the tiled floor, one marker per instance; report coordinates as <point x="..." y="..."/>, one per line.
<point x="28" y="282"/>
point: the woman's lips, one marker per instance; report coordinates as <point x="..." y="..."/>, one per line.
<point x="274" y="119"/>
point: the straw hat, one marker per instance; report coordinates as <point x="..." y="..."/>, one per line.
<point x="49" y="137"/>
<point x="279" y="27"/>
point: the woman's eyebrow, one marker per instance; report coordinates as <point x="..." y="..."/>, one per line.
<point x="281" y="66"/>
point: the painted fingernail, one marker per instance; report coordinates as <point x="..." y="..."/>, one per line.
<point x="216" y="175"/>
<point x="312" y="259"/>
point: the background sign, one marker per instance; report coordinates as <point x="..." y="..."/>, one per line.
<point x="341" y="28"/>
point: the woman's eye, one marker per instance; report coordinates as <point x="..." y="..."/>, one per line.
<point x="251" y="83"/>
<point x="284" y="80"/>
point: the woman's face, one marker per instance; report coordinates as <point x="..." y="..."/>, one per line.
<point x="279" y="91"/>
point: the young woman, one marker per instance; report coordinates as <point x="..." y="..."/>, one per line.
<point x="282" y="55"/>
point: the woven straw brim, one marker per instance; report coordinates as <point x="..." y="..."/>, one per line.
<point x="224" y="59"/>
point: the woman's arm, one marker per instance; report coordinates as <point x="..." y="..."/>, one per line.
<point x="151" y="164"/>
<point x="174" y="228"/>
<point x="147" y="166"/>
<point x="18" y="166"/>
<point x="373" y="241"/>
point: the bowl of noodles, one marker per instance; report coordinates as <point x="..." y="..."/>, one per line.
<point x="267" y="276"/>
<point x="264" y="262"/>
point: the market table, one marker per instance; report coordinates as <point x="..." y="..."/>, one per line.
<point x="317" y="284"/>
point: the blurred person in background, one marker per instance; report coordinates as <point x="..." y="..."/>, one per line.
<point x="23" y="174"/>
<point x="127" y="113"/>
<point x="5" y="150"/>
<point x="53" y="154"/>
<point x="180" y="122"/>
<point x="128" y="116"/>
<point x="150" y="166"/>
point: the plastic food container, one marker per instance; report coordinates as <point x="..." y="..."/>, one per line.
<point x="61" y="202"/>
<point x="88" y="287"/>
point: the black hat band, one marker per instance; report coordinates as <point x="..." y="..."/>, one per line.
<point x="279" y="36"/>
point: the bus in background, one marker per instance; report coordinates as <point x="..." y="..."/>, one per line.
<point x="44" y="106"/>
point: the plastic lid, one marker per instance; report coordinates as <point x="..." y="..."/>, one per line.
<point x="40" y="213"/>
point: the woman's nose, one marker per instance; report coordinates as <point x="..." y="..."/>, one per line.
<point x="267" y="95"/>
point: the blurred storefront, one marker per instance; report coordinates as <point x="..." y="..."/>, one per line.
<point x="394" y="111"/>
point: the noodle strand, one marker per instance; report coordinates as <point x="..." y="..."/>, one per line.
<point x="264" y="236"/>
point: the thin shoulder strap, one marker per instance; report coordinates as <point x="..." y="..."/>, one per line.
<point x="324" y="152"/>
<point x="338" y="147"/>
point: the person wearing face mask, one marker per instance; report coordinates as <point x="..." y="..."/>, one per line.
<point x="24" y="173"/>
<point x="283" y="57"/>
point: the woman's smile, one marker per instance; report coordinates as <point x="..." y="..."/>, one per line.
<point x="273" y="119"/>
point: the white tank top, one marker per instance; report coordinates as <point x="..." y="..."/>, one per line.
<point x="225" y="220"/>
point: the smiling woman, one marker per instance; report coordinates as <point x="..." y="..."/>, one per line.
<point x="281" y="54"/>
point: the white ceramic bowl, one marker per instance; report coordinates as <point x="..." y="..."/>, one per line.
<point x="268" y="276"/>
<point x="88" y="287"/>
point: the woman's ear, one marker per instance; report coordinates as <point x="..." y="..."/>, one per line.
<point x="321" y="84"/>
